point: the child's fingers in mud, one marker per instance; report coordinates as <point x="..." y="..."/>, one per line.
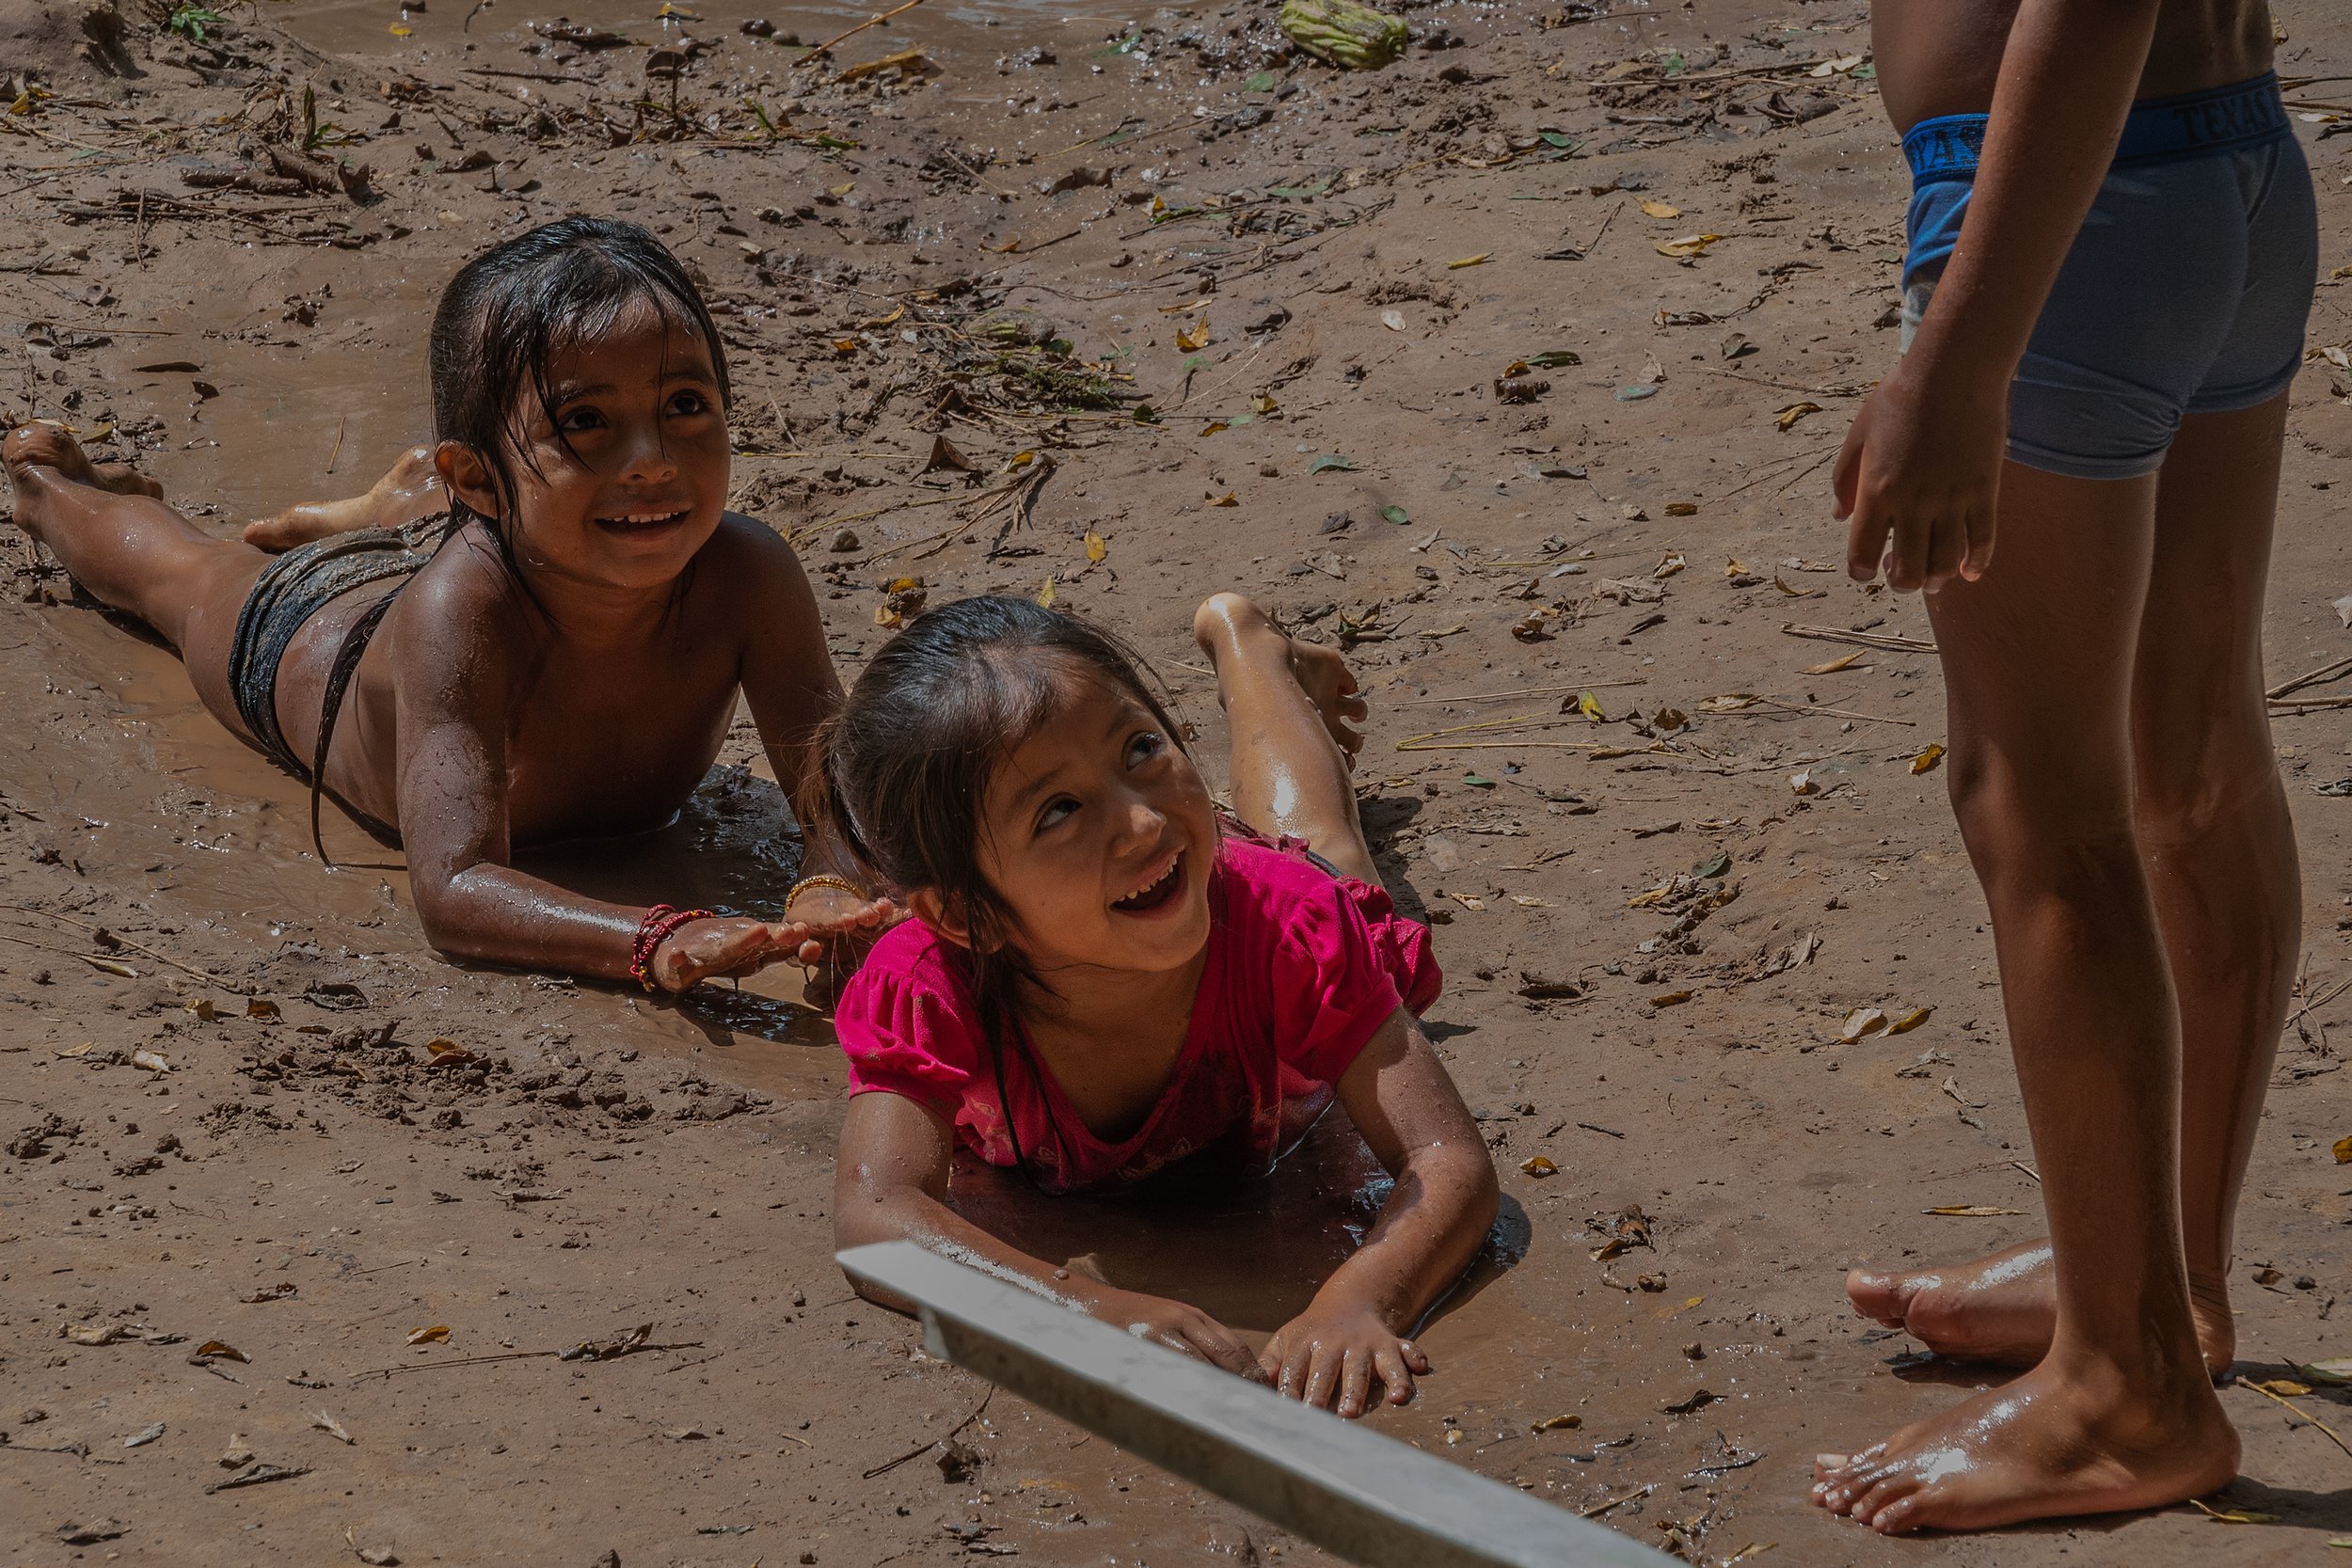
<point x="825" y="909"/>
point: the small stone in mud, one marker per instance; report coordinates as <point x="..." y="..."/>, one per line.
<point x="847" y="540"/>
<point x="1694" y="1350"/>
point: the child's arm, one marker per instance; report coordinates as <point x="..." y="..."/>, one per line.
<point x="1400" y="1100"/>
<point x="1922" y="461"/>
<point x="474" y="904"/>
<point x="789" y="682"/>
<point x="891" y="1185"/>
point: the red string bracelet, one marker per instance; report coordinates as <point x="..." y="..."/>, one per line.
<point x="652" y="931"/>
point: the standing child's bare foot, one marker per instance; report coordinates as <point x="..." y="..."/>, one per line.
<point x="410" y="490"/>
<point x="1320" y="671"/>
<point x="2051" y="1445"/>
<point x="2003" y="1307"/>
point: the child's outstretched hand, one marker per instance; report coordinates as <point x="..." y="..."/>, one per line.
<point x="721" y="945"/>
<point x="1187" y="1330"/>
<point x="833" y="929"/>
<point x="1328" y="1356"/>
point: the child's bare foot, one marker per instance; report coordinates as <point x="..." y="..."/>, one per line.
<point x="410" y="490"/>
<point x="2004" y="1307"/>
<point x="2050" y="1445"/>
<point x="44" y="445"/>
<point x="1320" y="671"/>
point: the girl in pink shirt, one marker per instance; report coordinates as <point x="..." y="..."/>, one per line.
<point x="1109" y="981"/>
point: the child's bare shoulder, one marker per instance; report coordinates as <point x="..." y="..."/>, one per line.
<point x="462" y="609"/>
<point x="748" y="563"/>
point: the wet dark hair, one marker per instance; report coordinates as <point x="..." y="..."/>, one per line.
<point x="511" y="310"/>
<point x="909" y="759"/>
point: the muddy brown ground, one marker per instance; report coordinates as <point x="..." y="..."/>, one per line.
<point x="313" y="1186"/>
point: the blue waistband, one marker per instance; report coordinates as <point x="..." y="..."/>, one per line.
<point x="2183" y="125"/>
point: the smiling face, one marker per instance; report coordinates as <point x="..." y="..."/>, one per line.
<point x="1099" y="835"/>
<point x="624" y="473"/>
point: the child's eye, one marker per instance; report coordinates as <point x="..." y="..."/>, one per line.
<point x="1144" y="747"/>
<point x="579" y="418"/>
<point x="1055" y="812"/>
<point x="690" y="404"/>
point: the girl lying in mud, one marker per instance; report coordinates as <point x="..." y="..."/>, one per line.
<point x="1108" y="980"/>
<point x="554" y="656"/>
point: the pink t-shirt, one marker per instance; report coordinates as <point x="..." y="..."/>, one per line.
<point x="1302" y="968"/>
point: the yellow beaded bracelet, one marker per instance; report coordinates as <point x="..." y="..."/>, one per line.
<point x="821" y="880"/>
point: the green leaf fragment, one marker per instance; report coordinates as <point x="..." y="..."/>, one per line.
<point x="1553" y="358"/>
<point x="1476" y="782"/>
<point x="1262" y="82"/>
<point x="1396" y="514"/>
<point x="1560" y="139"/>
<point x="1714" y="865"/>
<point x="1329" y="462"/>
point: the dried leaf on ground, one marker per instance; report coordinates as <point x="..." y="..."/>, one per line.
<point x="1198" y="337"/>
<point x="437" y="1335"/>
<point x="1687" y="245"/>
<point x="1557" y="1423"/>
<point x="1927" y="760"/>
<point x="1909" y="1021"/>
<point x="1794" y="412"/>
<point x="1862" y="1024"/>
<point x="1538" y="1167"/>
<point x="1831" y="667"/>
<point x="1971" y="1211"/>
<point x="1097" y="548"/>
<point x="1661" y="209"/>
<point x="330" y="1426"/>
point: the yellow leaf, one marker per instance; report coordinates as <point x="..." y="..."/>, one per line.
<point x="2236" y="1516"/>
<point x="224" y="1351"/>
<point x="1466" y="900"/>
<point x="2343" y="1151"/>
<point x="1196" y="339"/>
<point x="1538" y="1167"/>
<point x="1225" y="499"/>
<point x="1682" y="509"/>
<point x="885" y="320"/>
<point x="1213" y="426"/>
<point x="1669" y="564"/>
<point x="1045" y="594"/>
<point x="1264" y="403"/>
<point x="1097" y="548"/>
<point x="1470" y="261"/>
<point x="1557" y="1423"/>
<point x="845" y="345"/>
<point x="1861" y="1024"/>
<point x="1662" y="210"/>
<point x="1008" y="247"/>
<point x="1735" y="567"/>
<point x="260" y="1006"/>
<point x="2283" y="1387"/>
<point x="437" y="1335"/>
<point x="842" y="189"/>
<point x="1021" y="459"/>
<point x="203" y="1008"/>
<point x="1186" y="309"/>
<point x="108" y="966"/>
<point x="1927" y="759"/>
<point x="401" y="31"/>
<point x="1794" y="412"/>
<point x="1971" y="1211"/>
<point x="1689" y="245"/>
<point x="1833" y="666"/>
<point x="1671" y="999"/>
<point x="82" y="1050"/>
<point x="1589" y="706"/>
<point x="1909" y="1021"/>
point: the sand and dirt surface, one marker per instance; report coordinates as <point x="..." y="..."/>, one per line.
<point x="495" y="1267"/>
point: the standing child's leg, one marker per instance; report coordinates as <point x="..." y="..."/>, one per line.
<point x="2214" y="828"/>
<point x="2039" y="661"/>
<point x="1289" y="705"/>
